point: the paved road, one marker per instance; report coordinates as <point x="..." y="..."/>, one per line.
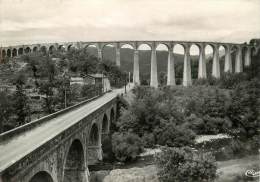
<point x="23" y="144"/>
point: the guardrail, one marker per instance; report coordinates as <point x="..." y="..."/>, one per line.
<point x="16" y="131"/>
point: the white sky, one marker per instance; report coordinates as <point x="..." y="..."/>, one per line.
<point x="38" y="21"/>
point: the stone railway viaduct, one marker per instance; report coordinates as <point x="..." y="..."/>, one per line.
<point x="243" y="53"/>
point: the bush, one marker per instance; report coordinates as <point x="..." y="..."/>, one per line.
<point x="244" y="110"/>
<point x="174" y="135"/>
<point x="89" y="91"/>
<point x="230" y="80"/>
<point x="148" y="140"/>
<point x="212" y="125"/>
<point x="126" y="146"/>
<point x="108" y="155"/>
<point x="185" y="164"/>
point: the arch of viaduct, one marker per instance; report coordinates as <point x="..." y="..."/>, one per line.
<point x="65" y="157"/>
<point x="243" y="53"/>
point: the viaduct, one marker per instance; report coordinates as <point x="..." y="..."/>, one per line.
<point x="243" y="53"/>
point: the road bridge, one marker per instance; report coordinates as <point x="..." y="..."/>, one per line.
<point x="61" y="146"/>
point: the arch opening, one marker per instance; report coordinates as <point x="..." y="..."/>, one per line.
<point x="92" y="50"/>
<point x="20" y="51"/>
<point x="94" y="149"/>
<point x="94" y="136"/>
<point x="51" y="49"/>
<point x="209" y="53"/>
<point x="145" y="53"/>
<point x="222" y="54"/>
<point x="43" y="50"/>
<point x="234" y="52"/>
<point x="74" y="169"/>
<point x="14" y="52"/>
<point x="35" y="49"/>
<point x="162" y="52"/>
<point x="178" y="53"/>
<point x="126" y="46"/>
<point x="9" y="53"/>
<point x="41" y="176"/>
<point x="71" y="47"/>
<point x="3" y="53"/>
<point x="194" y="53"/>
<point x="244" y="49"/>
<point x="109" y="52"/>
<point x="127" y="58"/>
<point x="27" y="50"/>
<point x="105" y="125"/>
<point x="112" y="120"/>
<point x="61" y="48"/>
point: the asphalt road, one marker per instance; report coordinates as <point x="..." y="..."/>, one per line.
<point x="21" y="145"/>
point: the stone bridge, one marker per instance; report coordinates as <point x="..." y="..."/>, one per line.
<point x="243" y="53"/>
<point x="58" y="147"/>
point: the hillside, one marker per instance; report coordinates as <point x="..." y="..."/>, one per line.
<point x="127" y="57"/>
<point x="162" y="58"/>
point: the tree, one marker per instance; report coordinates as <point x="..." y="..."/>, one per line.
<point x="33" y="64"/>
<point x="126" y="146"/>
<point x="48" y="85"/>
<point x="21" y="102"/>
<point x="81" y="61"/>
<point x="49" y="103"/>
<point x="244" y="110"/>
<point x="172" y="135"/>
<point x="5" y="110"/>
<point x="185" y="164"/>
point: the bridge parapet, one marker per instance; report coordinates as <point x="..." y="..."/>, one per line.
<point x="69" y="141"/>
<point x="16" y="131"/>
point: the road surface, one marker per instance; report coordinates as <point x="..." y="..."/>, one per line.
<point x="19" y="146"/>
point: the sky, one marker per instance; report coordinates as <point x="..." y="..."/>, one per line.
<point x="42" y="21"/>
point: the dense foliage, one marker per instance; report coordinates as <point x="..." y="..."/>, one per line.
<point x="172" y="116"/>
<point x="154" y="113"/>
<point x="185" y="164"/>
<point x="126" y="146"/>
<point x="47" y="76"/>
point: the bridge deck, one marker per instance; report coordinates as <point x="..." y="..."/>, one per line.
<point x="16" y="148"/>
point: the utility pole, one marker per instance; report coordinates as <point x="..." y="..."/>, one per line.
<point x="103" y="88"/>
<point x="65" y="98"/>
<point x="1" y="54"/>
<point x="129" y="79"/>
<point x="125" y="81"/>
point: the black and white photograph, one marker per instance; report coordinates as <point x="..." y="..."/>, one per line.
<point x="129" y="90"/>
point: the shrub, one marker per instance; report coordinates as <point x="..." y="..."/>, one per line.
<point x="230" y="80"/>
<point x="185" y="164"/>
<point x="89" y="91"/>
<point x="174" y="135"/>
<point x="126" y="146"/>
<point x="214" y="125"/>
<point x="127" y="121"/>
<point x="201" y="81"/>
<point x="108" y="154"/>
<point x="244" y="110"/>
<point x="148" y="140"/>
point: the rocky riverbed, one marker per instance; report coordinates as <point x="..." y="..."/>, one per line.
<point x="136" y="174"/>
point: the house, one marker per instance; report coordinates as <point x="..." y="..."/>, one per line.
<point x="102" y="79"/>
<point x="92" y="79"/>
